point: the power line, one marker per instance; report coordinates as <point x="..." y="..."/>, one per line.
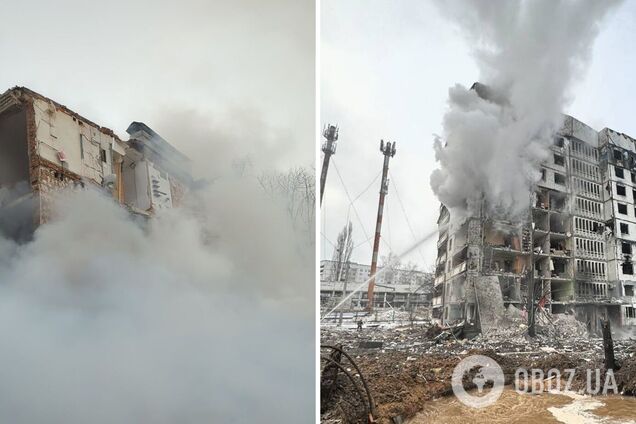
<point x="327" y="240"/>
<point x="369" y="186"/>
<point x="350" y="201"/>
<point x="408" y="222"/>
<point x="358" y="245"/>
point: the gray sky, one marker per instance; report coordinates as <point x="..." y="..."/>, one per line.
<point x="151" y="60"/>
<point x="386" y="67"/>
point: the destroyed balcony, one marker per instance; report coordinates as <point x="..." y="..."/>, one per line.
<point x="561" y="291"/>
<point x="557" y="202"/>
<point x="443" y="238"/>
<point x="540" y="221"/>
<point x="461" y="255"/>
<point x="559" y="224"/>
<point x="560" y="245"/>
<point x="444" y="215"/>
<point x="457" y="270"/>
<point x="504" y="263"/>
<point x="440" y="269"/>
<point x="560" y="277"/>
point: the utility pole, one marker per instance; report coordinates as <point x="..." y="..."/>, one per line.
<point x="328" y="148"/>
<point x="530" y="308"/>
<point x="388" y="150"/>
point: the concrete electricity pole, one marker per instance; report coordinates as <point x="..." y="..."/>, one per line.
<point x="388" y="150"/>
<point x="328" y="148"/>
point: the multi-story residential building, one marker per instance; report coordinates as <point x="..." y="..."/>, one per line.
<point x="575" y="246"/>
<point x="395" y="287"/>
<point x="44" y="146"/>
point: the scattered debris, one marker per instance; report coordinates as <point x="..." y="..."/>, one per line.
<point x="415" y="363"/>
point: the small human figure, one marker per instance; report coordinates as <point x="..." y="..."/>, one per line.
<point x="360" y="325"/>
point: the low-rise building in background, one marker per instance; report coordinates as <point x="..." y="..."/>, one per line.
<point x="395" y="287"/>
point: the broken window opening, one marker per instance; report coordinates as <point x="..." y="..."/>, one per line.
<point x="559" y="160"/>
<point x="619" y="172"/>
<point x="558" y="247"/>
<point x="102" y="155"/>
<point x="626" y="248"/>
<point x="624" y="228"/>
<point x="559" y="179"/>
<point x="622" y="208"/>
<point x="541" y="198"/>
<point x="620" y="190"/>
<point x="628" y="268"/>
<point x="557" y="203"/>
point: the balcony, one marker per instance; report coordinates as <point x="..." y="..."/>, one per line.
<point x="442" y="239"/>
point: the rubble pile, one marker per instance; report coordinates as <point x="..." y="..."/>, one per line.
<point x="562" y="326"/>
<point x="626" y="375"/>
<point x="413" y="364"/>
<point x="431" y="339"/>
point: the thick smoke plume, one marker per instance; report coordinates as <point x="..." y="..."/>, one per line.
<point x="203" y="314"/>
<point x="529" y="53"/>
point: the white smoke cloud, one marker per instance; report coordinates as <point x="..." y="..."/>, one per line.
<point x="203" y="314"/>
<point x="529" y="54"/>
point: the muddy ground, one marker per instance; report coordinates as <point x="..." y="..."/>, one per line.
<point x="414" y="365"/>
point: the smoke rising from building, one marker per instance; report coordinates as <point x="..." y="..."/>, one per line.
<point x="201" y="314"/>
<point x="529" y="53"/>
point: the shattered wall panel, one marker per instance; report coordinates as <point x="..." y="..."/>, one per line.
<point x="53" y="178"/>
<point x="177" y="190"/>
<point x="489" y="301"/>
<point x="65" y="140"/>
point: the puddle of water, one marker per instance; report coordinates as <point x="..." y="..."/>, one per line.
<point x="544" y="408"/>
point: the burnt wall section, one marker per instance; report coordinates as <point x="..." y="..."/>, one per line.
<point x="14" y="161"/>
<point x="52" y="179"/>
<point x="17" y="204"/>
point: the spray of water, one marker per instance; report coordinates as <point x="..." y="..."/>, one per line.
<point x="380" y="272"/>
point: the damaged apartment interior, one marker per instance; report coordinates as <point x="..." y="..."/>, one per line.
<point x="44" y="146"/>
<point x="575" y="247"/>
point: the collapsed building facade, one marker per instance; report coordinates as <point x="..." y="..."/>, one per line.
<point x="576" y="246"/>
<point x="44" y="147"/>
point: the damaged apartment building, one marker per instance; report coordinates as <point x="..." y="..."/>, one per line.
<point x="44" y="147"/>
<point x="577" y="246"/>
